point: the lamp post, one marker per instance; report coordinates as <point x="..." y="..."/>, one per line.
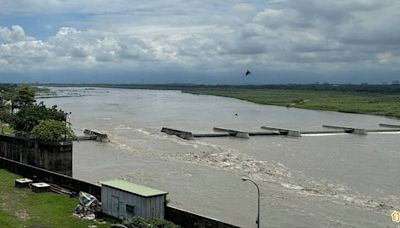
<point x="258" y="191"/>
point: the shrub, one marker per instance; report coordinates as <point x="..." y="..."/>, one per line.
<point x="30" y="116"/>
<point x="52" y="131"/>
<point x="139" y="222"/>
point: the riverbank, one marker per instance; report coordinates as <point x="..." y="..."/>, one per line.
<point x="20" y="207"/>
<point x="381" y="100"/>
<point x="340" y="101"/>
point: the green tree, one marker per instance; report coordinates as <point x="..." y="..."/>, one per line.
<point x="52" y="131"/>
<point x="30" y="116"/>
<point x="24" y="95"/>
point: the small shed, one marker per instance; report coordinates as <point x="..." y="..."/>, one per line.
<point x="122" y="199"/>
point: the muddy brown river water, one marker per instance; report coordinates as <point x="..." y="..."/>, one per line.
<point x="333" y="180"/>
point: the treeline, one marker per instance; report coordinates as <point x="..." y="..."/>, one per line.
<point x="369" y="88"/>
<point x="21" y="116"/>
<point x="8" y="87"/>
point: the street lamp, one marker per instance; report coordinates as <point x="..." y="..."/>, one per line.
<point x="258" y="191"/>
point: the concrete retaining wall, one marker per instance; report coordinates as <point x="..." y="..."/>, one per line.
<point x="55" y="157"/>
<point x="188" y="219"/>
<point x="61" y="180"/>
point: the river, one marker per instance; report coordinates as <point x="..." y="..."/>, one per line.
<point x="334" y="180"/>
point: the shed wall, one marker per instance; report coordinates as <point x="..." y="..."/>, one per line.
<point x="146" y="207"/>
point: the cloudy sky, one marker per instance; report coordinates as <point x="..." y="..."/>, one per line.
<point x="200" y="41"/>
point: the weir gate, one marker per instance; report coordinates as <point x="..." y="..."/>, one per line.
<point x="276" y="131"/>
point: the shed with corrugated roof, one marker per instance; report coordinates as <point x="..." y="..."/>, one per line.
<point x="122" y="199"/>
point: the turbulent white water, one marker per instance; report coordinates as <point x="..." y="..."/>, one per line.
<point x="338" y="180"/>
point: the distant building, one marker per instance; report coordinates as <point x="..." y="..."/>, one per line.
<point x="124" y="200"/>
<point x="395" y="82"/>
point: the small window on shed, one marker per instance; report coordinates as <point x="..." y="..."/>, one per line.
<point x="130" y="210"/>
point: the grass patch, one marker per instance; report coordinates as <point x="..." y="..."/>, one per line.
<point x="341" y="101"/>
<point x="23" y="208"/>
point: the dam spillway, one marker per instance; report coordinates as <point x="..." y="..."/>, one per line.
<point x="272" y="131"/>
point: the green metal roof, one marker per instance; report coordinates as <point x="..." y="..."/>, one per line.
<point x="133" y="188"/>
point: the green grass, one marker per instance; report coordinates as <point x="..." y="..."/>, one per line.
<point x="341" y="101"/>
<point x="7" y="220"/>
<point x="23" y="208"/>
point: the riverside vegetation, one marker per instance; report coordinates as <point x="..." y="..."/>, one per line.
<point x="19" y="113"/>
<point x="362" y="102"/>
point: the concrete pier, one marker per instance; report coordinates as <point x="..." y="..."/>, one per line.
<point x="283" y="131"/>
<point x="93" y="135"/>
<point x="235" y="133"/>
<point x="181" y="134"/>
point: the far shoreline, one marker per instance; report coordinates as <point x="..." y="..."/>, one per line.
<point x="378" y="100"/>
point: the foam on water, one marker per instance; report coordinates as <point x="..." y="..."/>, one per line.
<point x="122" y="127"/>
<point x="222" y="157"/>
<point x="324" y="134"/>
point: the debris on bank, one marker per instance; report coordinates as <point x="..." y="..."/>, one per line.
<point x="88" y="206"/>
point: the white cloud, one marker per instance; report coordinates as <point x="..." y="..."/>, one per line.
<point x="208" y="36"/>
<point x="15" y="34"/>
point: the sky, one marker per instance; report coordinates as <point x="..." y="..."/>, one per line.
<point x="200" y="41"/>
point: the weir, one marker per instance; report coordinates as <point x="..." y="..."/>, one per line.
<point x="283" y="131"/>
<point x="352" y="130"/>
<point x="273" y="131"/>
<point x="211" y="135"/>
<point x="181" y="134"/>
<point x="321" y="132"/>
<point x="390" y="125"/>
<point x="234" y="133"/>
<point x="383" y="130"/>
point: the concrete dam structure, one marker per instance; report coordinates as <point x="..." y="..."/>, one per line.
<point x="274" y="131"/>
<point x="53" y="156"/>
